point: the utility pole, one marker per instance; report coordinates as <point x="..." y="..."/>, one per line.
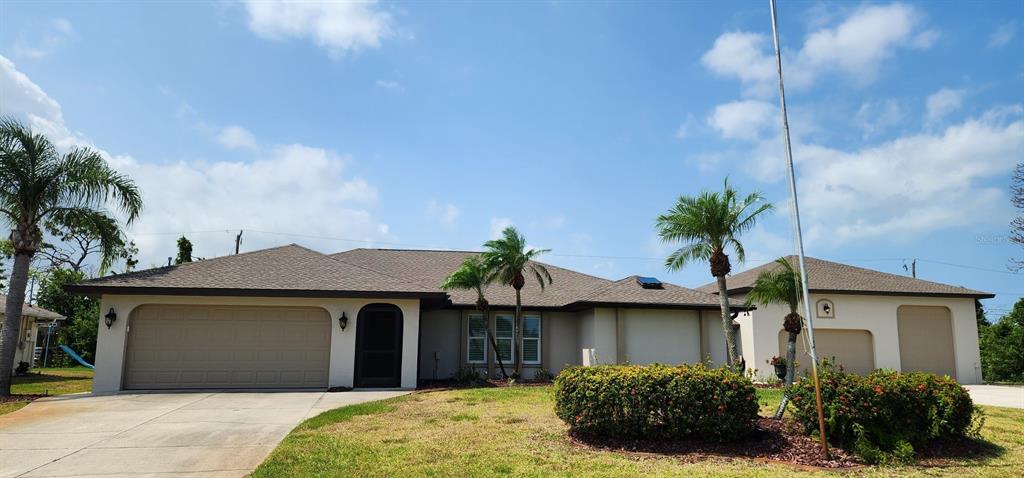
<point x="913" y="268"/>
<point x="797" y="235"/>
<point x="238" y="241"/>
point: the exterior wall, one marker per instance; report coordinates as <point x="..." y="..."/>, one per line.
<point x="712" y="339"/>
<point x="598" y="340"/>
<point x="441" y="353"/>
<point x="659" y="336"/>
<point x="110" y="343"/>
<point x="558" y="343"/>
<point x="874" y="313"/>
<point x="27" y="331"/>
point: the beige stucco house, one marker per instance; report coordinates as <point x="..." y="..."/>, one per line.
<point x="28" y="331"/>
<point x="867" y="319"/>
<point x="291" y="317"/>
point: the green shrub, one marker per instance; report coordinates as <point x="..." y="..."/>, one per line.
<point x="884" y="415"/>
<point x="656" y="402"/>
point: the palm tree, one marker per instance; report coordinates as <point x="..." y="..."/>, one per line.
<point x="472" y="275"/>
<point x="38" y="183"/>
<point x="781" y="286"/>
<point x="508" y="261"/>
<point x="706" y="224"/>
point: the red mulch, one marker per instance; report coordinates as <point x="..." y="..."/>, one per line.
<point x="773" y="441"/>
<point x="20" y="398"/>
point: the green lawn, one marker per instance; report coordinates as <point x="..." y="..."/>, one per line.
<point x="514" y="432"/>
<point x="49" y="381"/>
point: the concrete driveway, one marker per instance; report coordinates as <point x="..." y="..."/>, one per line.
<point x="157" y="434"/>
<point x="997" y="395"/>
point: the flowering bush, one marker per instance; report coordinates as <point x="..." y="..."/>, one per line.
<point x="777" y="361"/>
<point x="656" y="401"/>
<point x="882" y="416"/>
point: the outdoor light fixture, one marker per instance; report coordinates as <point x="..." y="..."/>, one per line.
<point x="110" y="317"/>
<point x="343" y="321"/>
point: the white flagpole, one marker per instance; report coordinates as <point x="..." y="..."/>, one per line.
<point x="798" y="236"/>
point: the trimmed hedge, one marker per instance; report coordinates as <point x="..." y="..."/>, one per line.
<point x="656" y="402"/>
<point x="884" y="415"/>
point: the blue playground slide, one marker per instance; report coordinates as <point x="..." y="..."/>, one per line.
<point x="76" y="357"/>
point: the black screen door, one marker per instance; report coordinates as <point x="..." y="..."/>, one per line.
<point x="379" y="346"/>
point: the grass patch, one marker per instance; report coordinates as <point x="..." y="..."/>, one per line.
<point x="48" y="381"/>
<point x="516" y="433"/>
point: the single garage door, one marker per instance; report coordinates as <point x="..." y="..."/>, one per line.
<point x="926" y="339"/>
<point x="853" y="349"/>
<point x="180" y="347"/>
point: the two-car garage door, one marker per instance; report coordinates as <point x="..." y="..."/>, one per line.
<point x="181" y="347"/>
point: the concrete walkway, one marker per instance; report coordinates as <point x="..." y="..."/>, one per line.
<point x="997" y="395"/>
<point x="157" y="434"/>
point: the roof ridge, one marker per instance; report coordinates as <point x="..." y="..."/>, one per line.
<point x="201" y="261"/>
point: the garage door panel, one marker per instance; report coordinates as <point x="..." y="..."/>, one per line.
<point x="851" y="348"/>
<point x="227" y="347"/>
<point x="926" y="340"/>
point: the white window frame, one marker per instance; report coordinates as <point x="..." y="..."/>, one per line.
<point x="498" y="338"/>
<point x="470" y="338"/>
<point x="540" y="334"/>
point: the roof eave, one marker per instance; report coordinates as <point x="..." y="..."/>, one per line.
<point x="235" y="292"/>
<point x="952" y="295"/>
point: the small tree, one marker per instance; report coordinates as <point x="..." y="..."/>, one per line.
<point x="706" y="225"/>
<point x="184" y="251"/>
<point x="1002" y="347"/>
<point x="473" y="275"/>
<point x="781" y="286"/>
<point x="508" y="261"/>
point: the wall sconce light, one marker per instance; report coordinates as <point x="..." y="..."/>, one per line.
<point x="343" y="321"/>
<point x="110" y="318"/>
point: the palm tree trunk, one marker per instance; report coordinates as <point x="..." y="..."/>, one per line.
<point x="494" y="344"/>
<point x="790" y="358"/>
<point x="519" y="336"/>
<point x="12" y="318"/>
<point x="730" y="341"/>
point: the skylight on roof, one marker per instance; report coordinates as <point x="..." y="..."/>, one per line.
<point x="649" y="282"/>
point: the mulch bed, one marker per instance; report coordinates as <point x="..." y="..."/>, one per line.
<point x="773" y="441"/>
<point x="20" y="398"/>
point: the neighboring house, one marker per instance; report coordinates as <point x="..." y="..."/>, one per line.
<point x="291" y="317"/>
<point x="866" y="320"/>
<point x="28" y="329"/>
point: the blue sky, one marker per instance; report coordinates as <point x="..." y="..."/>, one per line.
<point x="396" y="124"/>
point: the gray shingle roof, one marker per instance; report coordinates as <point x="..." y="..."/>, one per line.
<point x="32" y="311"/>
<point x="296" y="271"/>
<point x="287" y="270"/>
<point x="828" y="276"/>
<point x="567" y="288"/>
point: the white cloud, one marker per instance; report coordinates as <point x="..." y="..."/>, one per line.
<point x="445" y="213"/>
<point x="338" y="27"/>
<point x="857" y="47"/>
<point x="1002" y="35"/>
<point x="743" y="120"/>
<point x="44" y="39"/>
<point x="237" y="137"/>
<point x="293" y="189"/>
<point x="687" y="127"/>
<point x="499" y="224"/>
<point x="740" y="54"/>
<point x="875" y="117"/>
<point x="912" y="185"/>
<point x="942" y="103"/>
<point x="390" y="85"/>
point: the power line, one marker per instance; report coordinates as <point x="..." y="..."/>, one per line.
<point x="581" y="256"/>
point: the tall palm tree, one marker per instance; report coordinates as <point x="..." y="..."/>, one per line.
<point x="706" y="224"/>
<point x="508" y="261"/>
<point x="781" y="286"/>
<point x="473" y="275"/>
<point x="38" y="183"/>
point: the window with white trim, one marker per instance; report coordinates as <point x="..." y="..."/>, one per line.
<point x="504" y="335"/>
<point x="531" y="339"/>
<point x="476" y="350"/>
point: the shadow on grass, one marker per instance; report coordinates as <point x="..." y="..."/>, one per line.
<point x="945" y="451"/>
